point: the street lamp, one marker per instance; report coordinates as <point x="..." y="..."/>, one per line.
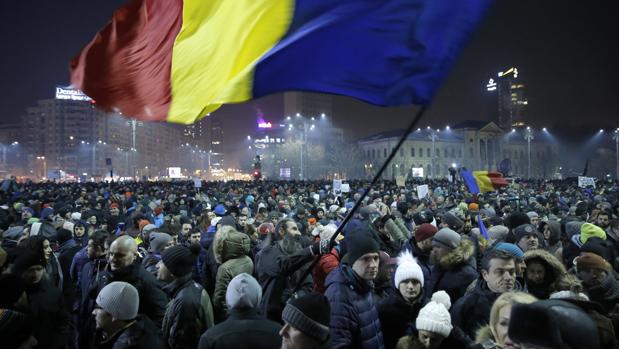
<point x="616" y="139"/>
<point x="44" y="165"/>
<point x="433" y="136"/>
<point x="528" y="136"/>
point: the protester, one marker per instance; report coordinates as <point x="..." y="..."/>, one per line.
<point x="494" y="335"/>
<point x="354" y="318"/>
<point x="116" y="315"/>
<point x="306" y="323"/>
<point x="244" y="328"/>
<point x="189" y="312"/>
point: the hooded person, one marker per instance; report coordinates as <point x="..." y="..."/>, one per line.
<point x="552" y="235"/>
<point x="306" y="323"/>
<point x="599" y="282"/>
<point x="158" y="242"/>
<point x="577" y="241"/>
<point x="398" y="312"/>
<point x="453" y="267"/>
<point x="354" y="318"/>
<point x="543" y="270"/>
<point x="189" y="312"/>
<point x="244" y="328"/>
<point x="116" y="316"/>
<point x="231" y="250"/>
<point x="558" y="325"/>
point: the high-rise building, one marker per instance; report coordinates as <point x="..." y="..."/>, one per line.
<point x="197" y="133"/>
<point x="511" y="101"/>
<point x="307" y="104"/>
<point x="216" y="146"/>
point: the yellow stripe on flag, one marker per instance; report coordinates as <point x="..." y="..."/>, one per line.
<point x="217" y="49"/>
<point x="483" y="181"/>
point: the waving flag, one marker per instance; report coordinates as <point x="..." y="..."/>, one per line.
<point x="482" y="181"/>
<point x="176" y="60"/>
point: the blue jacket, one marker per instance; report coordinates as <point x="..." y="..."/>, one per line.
<point x="354" y="318"/>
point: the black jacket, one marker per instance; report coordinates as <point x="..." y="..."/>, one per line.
<point x="188" y="314"/>
<point x="278" y="274"/>
<point x="153" y="300"/>
<point x="472" y="311"/>
<point x="397" y="316"/>
<point x="244" y="329"/>
<point x="142" y="334"/>
<point x="50" y="319"/>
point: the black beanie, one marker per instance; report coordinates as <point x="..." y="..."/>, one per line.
<point x="63" y="235"/>
<point x="359" y="243"/>
<point x="309" y="314"/>
<point x="25" y="259"/>
<point x="180" y="259"/>
<point x="517" y="218"/>
<point x="453" y="221"/>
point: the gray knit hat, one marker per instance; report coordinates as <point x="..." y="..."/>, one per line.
<point x="243" y="292"/>
<point x="158" y="241"/>
<point x="446" y="238"/>
<point x="309" y="314"/>
<point x="119" y="299"/>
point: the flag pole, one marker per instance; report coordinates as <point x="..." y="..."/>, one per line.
<point x="377" y="176"/>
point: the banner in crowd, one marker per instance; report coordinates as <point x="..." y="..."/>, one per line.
<point x="584" y="182"/>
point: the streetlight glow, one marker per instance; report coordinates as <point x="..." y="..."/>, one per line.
<point x="544" y="129"/>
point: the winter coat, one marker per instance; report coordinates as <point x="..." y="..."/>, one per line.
<point x="398" y="235"/>
<point x="327" y="263"/>
<point x="455" y="340"/>
<point x="454" y="272"/>
<point x="150" y="262"/>
<point x="65" y="256"/>
<point x="85" y="299"/>
<point x="484" y="339"/>
<point x="423" y="259"/>
<point x="278" y="274"/>
<point x="606" y="330"/>
<point x="397" y="316"/>
<point x="50" y="319"/>
<point x="554" y="270"/>
<point x="231" y="249"/>
<point x="555" y="247"/>
<point x="142" y="334"/>
<point x="77" y="264"/>
<point x="472" y="311"/>
<point x="243" y="329"/>
<point x="606" y="294"/>
<point x="189" y="313"/>
<point x="54" y="272"/>
<point x="153" y="300"/>
<point x="354" y="318"/>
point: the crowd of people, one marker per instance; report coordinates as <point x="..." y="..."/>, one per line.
<point x="268" y="264"/>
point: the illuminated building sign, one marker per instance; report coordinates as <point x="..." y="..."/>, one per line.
<point x="265" y="125"/>
<point x="71" y="94"/>
<point x="491" y="86"/>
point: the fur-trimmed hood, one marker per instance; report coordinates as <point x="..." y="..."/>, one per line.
<point x="230" y="244"/>
<point x="555" y="266"/>
<point x="484" y="336"/>
<point x="459" y="255"/>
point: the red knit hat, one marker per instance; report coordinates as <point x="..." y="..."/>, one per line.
<point x="425" y="231"/>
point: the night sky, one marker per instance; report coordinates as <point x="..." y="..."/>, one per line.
<point x="567" y="53"/>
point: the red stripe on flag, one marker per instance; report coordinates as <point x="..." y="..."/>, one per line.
<point x="126" y="67"/>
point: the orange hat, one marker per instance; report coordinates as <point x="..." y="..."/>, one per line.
<point x="591" y="261"/>
<point x="113" y="205"/>
<point x="311" y="221"/>
<point x="474" y="207"/>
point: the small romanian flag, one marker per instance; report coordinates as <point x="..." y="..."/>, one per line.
<point x="483" y="181"/>
<point x="177" y="60"/>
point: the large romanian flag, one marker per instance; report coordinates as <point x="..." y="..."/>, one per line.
<point x="483" y="181"/>
<point x="177" y="60"/>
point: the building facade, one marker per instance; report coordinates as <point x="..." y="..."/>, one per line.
<point x="476" y="145"/>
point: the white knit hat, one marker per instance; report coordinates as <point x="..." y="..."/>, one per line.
<point x="119" y="299"/>
<point x="407" y="269"/>
<point x="76" y="216"/>
<point x="434" y="316"/>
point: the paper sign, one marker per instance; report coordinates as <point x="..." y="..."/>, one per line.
<point x="345" y="188"/>
<point x="316" y="197"/>
<point x="422" y="191"/>
<point x="400" y="181"/>
<point x="584" y="182"/>
<point x="197" y="183"/>
<point x="337" y="185"/>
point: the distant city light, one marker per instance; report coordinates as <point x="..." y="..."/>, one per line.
<point x="265" y="125"/>
<point x="601" y="130"/>
<point x="544" y="129"/>
<point x="513" y="130"/>
<point x="249" y="138"/>
<point x="447" y="128"/>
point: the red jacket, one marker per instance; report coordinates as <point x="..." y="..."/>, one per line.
<point x="324" y="266"/>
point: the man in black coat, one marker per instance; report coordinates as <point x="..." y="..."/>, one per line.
<point x="116" y="316"/>
<point x="244" y="328"/>
<point x="122" y="266"/>
<point x="498" y="275"/>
